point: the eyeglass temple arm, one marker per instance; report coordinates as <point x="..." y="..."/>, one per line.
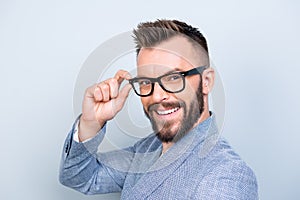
<point x="197" y="70"/>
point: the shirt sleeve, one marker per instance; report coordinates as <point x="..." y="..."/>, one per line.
<point x="75" y="136"/>
<point x="87" y="171"/>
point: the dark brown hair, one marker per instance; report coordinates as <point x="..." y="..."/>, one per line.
<point x="149" y="34"/>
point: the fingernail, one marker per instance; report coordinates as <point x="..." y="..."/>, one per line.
<point x="128" y="76"/>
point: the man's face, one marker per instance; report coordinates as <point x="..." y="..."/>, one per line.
<point x="172" y="114"/>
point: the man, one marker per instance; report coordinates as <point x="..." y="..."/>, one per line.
<point x="183" y="158"/>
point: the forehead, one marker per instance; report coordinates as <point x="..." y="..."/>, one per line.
<point x="174" y="54"/>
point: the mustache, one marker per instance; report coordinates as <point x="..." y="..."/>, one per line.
<point x="155" y="106"/>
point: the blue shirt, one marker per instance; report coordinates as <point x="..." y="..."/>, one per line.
<point x="201" y="165"/>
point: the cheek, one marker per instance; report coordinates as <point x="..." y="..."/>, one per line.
<point x="192" y="85"/>
<point x="145" y="102"/>
<point x="189" y="94"/>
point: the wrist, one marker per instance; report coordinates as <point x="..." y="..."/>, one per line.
<point x="88" y="129"/>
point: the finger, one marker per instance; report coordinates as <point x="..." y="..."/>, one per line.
<point x="121" y="75"/>
<point x="98" y="94"/>
<point x="89" y="92"/>
<point x="104" y="88"/>
<point x="113" y="87"/>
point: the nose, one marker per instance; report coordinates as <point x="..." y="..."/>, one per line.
<point x="159" y="94"/>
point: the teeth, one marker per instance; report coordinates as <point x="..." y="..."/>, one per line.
<point x="166" y="112"/>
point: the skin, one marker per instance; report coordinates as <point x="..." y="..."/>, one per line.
<point x="104" y="100"/>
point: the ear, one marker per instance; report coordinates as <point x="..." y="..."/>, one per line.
<point x="208" y="78"/>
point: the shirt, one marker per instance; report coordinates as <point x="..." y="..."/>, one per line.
<point x="201" y="165"/>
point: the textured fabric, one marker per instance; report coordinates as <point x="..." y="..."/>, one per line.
<point x="199" y="166"/>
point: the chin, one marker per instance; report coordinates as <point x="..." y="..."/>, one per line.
<point x="167" y="134"/>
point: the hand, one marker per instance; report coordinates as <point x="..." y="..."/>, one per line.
<point x="101" y="103"/>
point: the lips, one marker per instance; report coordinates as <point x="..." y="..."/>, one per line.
<point x="165" y="109"/>
<point x="167" y="112"/>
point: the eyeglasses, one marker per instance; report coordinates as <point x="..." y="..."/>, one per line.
<point x="173" y="82"/>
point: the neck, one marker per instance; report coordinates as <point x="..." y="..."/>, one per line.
<point x="166" y="146"/>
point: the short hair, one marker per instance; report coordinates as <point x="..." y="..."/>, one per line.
<point x="150" y="34"/>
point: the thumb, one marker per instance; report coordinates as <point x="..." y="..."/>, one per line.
<point x="123" y="94"/>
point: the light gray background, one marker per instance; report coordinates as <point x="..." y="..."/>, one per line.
<point x="43" y="44"/>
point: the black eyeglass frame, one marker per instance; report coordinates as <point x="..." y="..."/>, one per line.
<point x="194" y="71"/>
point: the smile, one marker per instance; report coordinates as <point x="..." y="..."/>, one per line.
<point x="167" y="112"/>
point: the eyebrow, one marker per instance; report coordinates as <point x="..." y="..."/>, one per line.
<point x="168" y="72"/>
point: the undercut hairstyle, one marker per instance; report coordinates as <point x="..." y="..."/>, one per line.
<point x="150" y="34"/>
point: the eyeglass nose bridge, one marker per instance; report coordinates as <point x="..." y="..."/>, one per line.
<point x="159" y="83"/>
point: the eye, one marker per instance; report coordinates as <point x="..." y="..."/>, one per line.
<point x="144" y="82"/>
<point x="172" y="77"/>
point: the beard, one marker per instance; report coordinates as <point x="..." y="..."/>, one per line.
<point x="191" y="114"/>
